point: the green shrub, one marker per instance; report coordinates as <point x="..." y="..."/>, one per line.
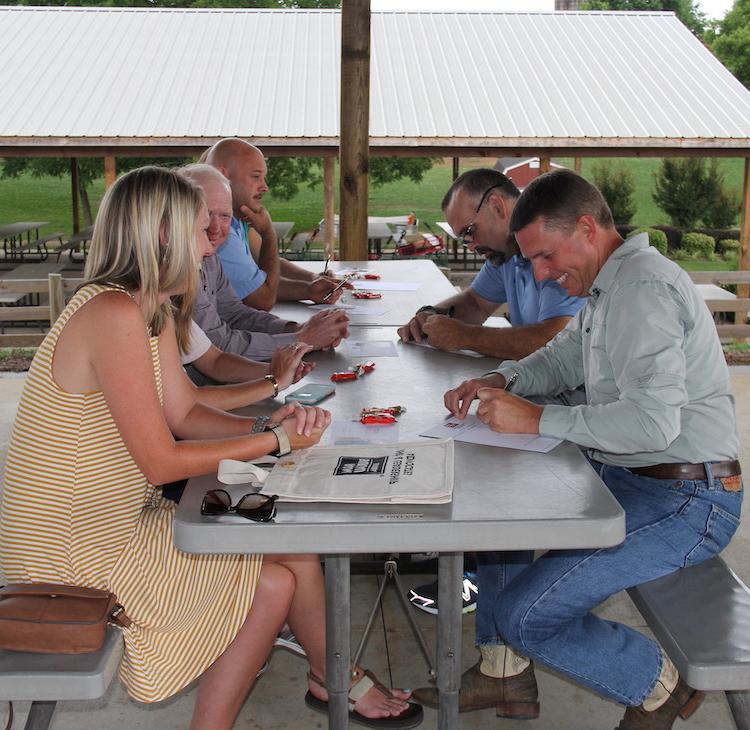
<point x="698" y="245"/>
<point x="658" y="239"/>
<point x="722" y="206"/>
<point x="617" y="185"/>
<point x="679" y="188"/>
<point x="727" y="247"/>
<point x="678" y="254"/>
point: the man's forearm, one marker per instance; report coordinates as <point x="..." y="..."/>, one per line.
<point x="513" y="343"/>
<point x="269" y="260"/>
<point x="292" y="290"/>
<point x="293" y="272"/>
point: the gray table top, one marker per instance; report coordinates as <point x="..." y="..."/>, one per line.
<point x="399" y="306"/>
<point x="33" y="270"/>
<point x="15" y="229"/>
<point x="503" y="499"/>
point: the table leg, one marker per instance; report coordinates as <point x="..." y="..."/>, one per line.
<point x="450" y="570"/>
<point x="338" y="639"/>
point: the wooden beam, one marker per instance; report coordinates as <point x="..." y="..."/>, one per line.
<point x="577" y="165"/>
<point x="545" y="164"/>
<point x="74" y="194"/>
<point x="355" y="129"/>
<point x="110" y="171"/>
<point x="329" y="165"/>
<point x="455" y="167"/>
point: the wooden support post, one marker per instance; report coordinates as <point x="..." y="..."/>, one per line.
<point x="56" y="297"/>
<point x="354" y="129"/>
<point x="744" y="291"/>
<point x="455" y="167"/>
<point x="329" y="165"/>
<point x="544" y="164"/>
<point x="577" y="165"/>
<point x="74" y="193"/>
<point x="110" y="172"/>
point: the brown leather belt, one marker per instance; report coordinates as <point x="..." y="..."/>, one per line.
<point x="688" y="471"/>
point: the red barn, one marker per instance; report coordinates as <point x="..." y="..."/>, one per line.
<point x="521" y="171"/>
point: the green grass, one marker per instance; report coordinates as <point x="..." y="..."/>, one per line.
<point x="27" y="198"/>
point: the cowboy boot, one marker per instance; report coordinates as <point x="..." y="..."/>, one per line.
<point x="500" y="679"/>
<point x="669" y="698"/>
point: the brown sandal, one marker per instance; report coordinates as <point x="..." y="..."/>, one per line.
<point x="410" y="717"/>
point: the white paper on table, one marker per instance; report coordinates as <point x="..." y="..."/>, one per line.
<point x="370" y="285"/>
<point x="353" y="432"/>
<point x="472" y="431"/>
<point x="496" y="322"/>
<point x="354" y="310"/>
<point x="425" y="343"/>
<point x="371" y="348"/>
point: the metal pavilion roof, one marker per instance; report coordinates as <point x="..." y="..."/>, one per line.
<point x="173" y="78"/>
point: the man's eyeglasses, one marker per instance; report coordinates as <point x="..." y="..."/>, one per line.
<point x="470" y="230"/>
<point x="257" y="507"/>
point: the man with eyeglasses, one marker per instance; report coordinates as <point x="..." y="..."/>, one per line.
<point x="478" y="207"/>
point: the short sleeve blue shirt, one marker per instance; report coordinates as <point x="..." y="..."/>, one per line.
<point x="529" y="301"/>
<point x="238" y="263"/>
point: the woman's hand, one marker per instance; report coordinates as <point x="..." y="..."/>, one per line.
<point x="287" y="366"/>
<point x="304" y="425"/>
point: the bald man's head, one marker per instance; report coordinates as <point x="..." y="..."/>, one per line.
<point x="218" y="197"/>
<point x="244" y="166"/>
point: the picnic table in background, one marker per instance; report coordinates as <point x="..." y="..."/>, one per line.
<point x="76" y="242"/>
<point x="18" y="239"/>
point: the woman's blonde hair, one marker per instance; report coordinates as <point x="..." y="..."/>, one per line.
<point x="144" y="240"/>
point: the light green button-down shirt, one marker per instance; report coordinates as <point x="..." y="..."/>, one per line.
<point x="646" y="348"/>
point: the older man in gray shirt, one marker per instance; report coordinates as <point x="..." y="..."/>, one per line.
<point x="658" y="427"/>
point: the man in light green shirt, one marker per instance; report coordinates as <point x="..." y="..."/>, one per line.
<point x="658" y="427"/>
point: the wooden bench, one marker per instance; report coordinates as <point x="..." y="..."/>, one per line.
<point x="76" y="242"/>
<point x="701" y="617"/>
<point x="46" y="679"/>
<point x="54" y="286"/>
<point x="40" y="244"/>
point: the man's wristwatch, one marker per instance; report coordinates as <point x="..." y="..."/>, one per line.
<point x="284" y="446"/>
<point x="272" y="379"/>
<point x="428" y="308"/>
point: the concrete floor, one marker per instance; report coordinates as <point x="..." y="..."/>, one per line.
<point x="277" y="699"/>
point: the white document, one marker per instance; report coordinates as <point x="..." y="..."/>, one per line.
<point x="341" y="433"/>
<point x="370" y="285"/>
<point x="353" y="310"/>
<point x="472" y="431"/>
<point x="371" y="348"/>
<point x="418" y="472"/>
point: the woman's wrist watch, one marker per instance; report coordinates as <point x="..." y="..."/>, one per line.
<point x="260" y="424"/>
<point x="284" y="446"/>
<point x="272" y="379"/>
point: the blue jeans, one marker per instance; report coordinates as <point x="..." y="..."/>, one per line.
<point x="545" y="612"/>
<point x="494" y="569"/>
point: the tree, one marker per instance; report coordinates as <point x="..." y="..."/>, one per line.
<point x="680" y="187"/>
<point x="723" y="206"/>
<point x="686" y="10"/>
<point x="688" y="191"/>
<point x="617" y="185"/>
<point x="730" y="40"/>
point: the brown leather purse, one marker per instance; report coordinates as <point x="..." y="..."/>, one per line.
<point x="46" y="618"/>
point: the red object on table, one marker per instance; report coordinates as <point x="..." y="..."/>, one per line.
<point x="378" y="419"/>
<point x="373" y="276"/>
<point x="357" y="294"/>
<point x="354" y="372"/>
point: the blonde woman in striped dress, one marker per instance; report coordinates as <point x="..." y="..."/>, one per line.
<point x="103" y="402"/>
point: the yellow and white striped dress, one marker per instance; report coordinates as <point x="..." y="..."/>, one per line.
<point x="76" y="509"/>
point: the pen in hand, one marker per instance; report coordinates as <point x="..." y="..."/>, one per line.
<point x="325" y="266"/>
<point x="336" y="288"/>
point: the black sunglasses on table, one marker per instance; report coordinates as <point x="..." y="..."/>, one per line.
<point x="257" y="507"/>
